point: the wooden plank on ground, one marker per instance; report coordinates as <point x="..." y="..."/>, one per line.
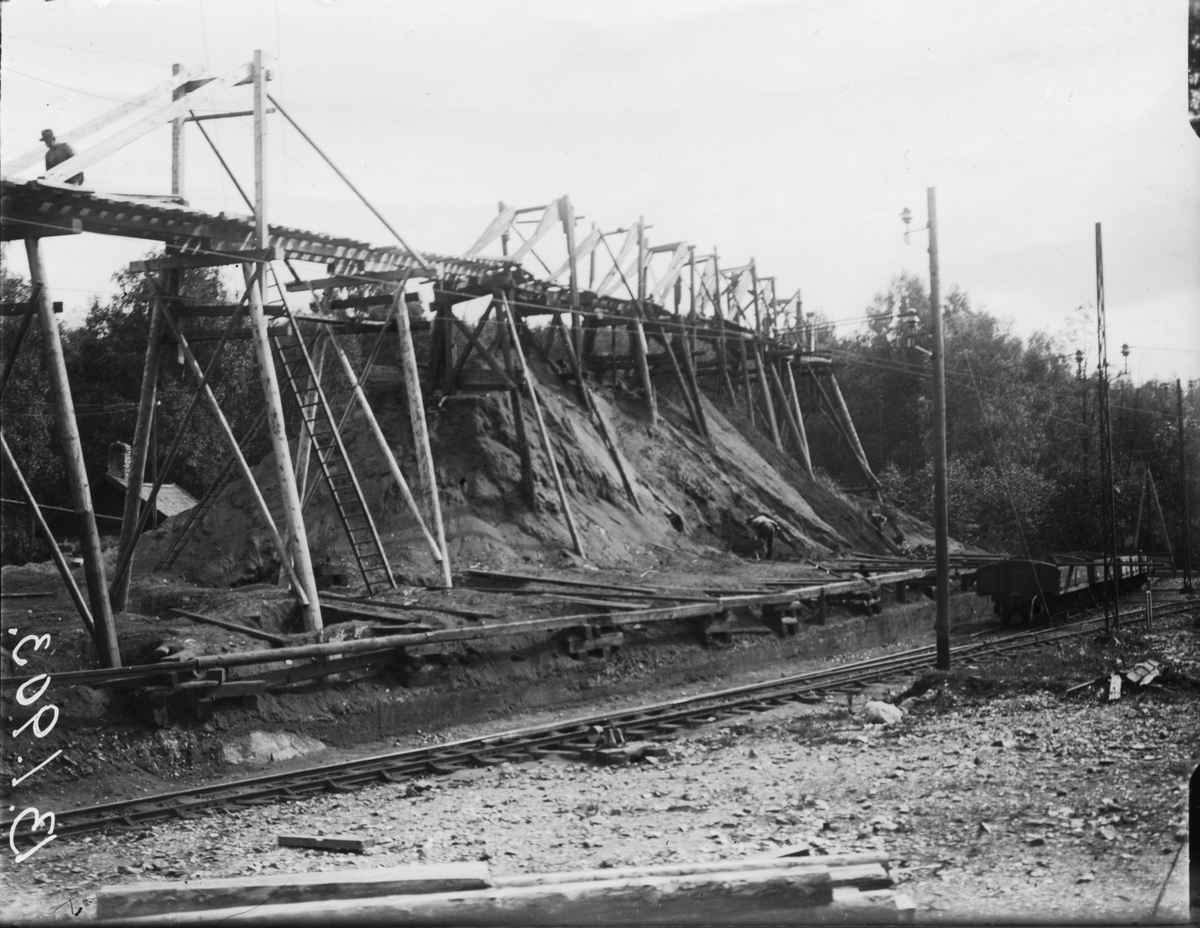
<point x="163" y="898"/>
<point x="786" y="896"/>
<point x="232" y="626"/>
<point x="327" y="842"/>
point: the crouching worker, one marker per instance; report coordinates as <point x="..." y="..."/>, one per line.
<point x="765" y="529"/>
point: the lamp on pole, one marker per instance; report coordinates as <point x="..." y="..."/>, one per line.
<point x="941" y="515"/>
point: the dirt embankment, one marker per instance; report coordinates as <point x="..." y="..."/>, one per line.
<point x="694" y="499"/>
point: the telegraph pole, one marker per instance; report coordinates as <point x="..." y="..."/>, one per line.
<point x="941" y="512"/>
<point x="1187" y="514"/>
<point x="1111" y="568"/>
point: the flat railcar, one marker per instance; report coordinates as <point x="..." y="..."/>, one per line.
<point x="1031" y="588"/>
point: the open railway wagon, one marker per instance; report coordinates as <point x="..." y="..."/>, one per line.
<point x="1029" y="588"/>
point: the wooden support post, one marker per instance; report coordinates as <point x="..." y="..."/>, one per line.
<point x="518" y="414"/>
<point x="641" y="349"/>
<point x="601" y="425"/>
<point x="301" y="560"/>
<point x="768" y="399"/>
<point x="722" y="347"/>
<point x="801" y="434"/>
<point x="822" y="608"/>
<point x="177" y="138"/>
<point x="119" y="594"/>
<point x="527" y="375"/>
<point x="902" y="592"/>
<point x="664" y="339"/>
<point x="64" y="570"/>
<point x="576" y="336"/>
<point x="789" y="415"/>
<point x="844" y="410"/>
<point x="300" y="557"/>
<point x="72" y="450"/>
<point x="420" y="430"/>
<point x="386" y="449"/>
<point x="746" y="377"/>
<point x="693" y="385"/>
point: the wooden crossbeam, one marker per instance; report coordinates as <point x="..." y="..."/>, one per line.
<point x="12" y="228"/>
<point x="182" y="262"/>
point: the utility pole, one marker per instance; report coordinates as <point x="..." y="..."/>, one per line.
<point x="1111" y="569"/>
<point x="1183" y="482"/>
<point x="941" y="512"/>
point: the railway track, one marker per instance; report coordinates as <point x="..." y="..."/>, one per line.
<point x="655" y="721"/>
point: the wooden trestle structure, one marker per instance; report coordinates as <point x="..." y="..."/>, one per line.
<point x="733" y="337"/>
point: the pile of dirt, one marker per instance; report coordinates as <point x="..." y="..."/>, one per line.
<point x="694" y="499"/>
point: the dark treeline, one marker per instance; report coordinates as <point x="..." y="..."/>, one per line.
<point x="1022" y="429"/>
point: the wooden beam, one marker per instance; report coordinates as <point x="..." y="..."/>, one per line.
<point x="89" y="156"/>
<point x="13" y="228"/>
<point x="56" y="554"/>
<point x="518" y="414"/>
<point x="55" y="366"/>
<point x="527" y="375"/>
<point x="801" y="433"/>
<point x="209" y="259"/>
<point x="768" y="400"/>
<point x="489" y="358"/>
<point x="22" y="308"/>
<point x="34" y="155"/>
<point x="438" y="551"/>
<point x="232" y="626"/>
<point x="263" y="509"/>
<point x="640" y="348"/>
<point x="853" y="433"/>
<point x="170" y="898"/>
<point x="139" y="451"/>
<point x="420" y="431"/>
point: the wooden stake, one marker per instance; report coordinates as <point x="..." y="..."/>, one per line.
<point x="381" y="441"/>
<point x="72" y="450"/>
<point x="420" y="430"/>
<point x="663" y="339"/>
<point x="530" y="386"/>
<point x="119" y="594"/>
<point x="789" y="415"/>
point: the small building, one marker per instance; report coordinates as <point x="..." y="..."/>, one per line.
<point x="108" y="495"/>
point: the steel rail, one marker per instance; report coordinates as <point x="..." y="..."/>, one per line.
<point x="652" y="721"/>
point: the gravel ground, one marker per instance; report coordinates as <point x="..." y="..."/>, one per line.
<point x="997" y="797"/>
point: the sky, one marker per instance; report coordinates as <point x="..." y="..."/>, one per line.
<point x="787" y="131"/>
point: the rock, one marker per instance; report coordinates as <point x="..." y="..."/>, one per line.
<point x="881" y="713"/>
<point x="263" y="747"/>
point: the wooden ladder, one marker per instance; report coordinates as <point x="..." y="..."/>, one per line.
<point x="330" y="453"/>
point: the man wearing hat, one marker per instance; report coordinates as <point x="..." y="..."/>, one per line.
<point x="58" y="153"/>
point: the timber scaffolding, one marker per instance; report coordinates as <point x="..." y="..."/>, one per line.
<point x="734" y="337"/>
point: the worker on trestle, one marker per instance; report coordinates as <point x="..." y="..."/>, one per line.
<point x="57" y="153"/>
